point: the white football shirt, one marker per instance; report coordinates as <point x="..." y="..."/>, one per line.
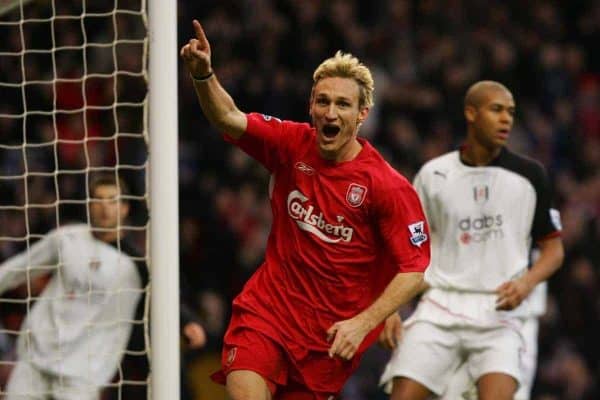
<point x="80" y="324"/>
<point x="483" y="220"/>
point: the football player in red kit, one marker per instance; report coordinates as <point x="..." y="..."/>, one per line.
<point x="348" y="245"/>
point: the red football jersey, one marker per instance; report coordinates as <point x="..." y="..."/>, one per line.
<point x="340" y="233"/>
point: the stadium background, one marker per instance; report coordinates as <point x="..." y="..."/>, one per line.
<point x="423" y="54"/>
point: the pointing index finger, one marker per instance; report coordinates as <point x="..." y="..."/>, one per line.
<point x="199" y="32"/>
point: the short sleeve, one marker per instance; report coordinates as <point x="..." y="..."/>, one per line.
<point x="546" y="219"/>
<point x="266" y="139"/>
<point x="421" y="189"/>
<point x="404" y="227"/>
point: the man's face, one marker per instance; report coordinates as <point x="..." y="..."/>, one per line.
<point x="493" y="119"/>
<point x="335" y="113"/>
<point x="106" y="211"/>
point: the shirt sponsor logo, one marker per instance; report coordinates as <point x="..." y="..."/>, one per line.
<point x="356" y="194"/>
<point x="480" y="229"/>
<point x="417" y="233"/>
<point x="312" y="221"/>
<point x="555" y="218"/>
<point x="307" y="169"/>
<point x="84" y="289"/>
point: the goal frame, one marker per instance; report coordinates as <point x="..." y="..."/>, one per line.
<point x="164" y="209"/>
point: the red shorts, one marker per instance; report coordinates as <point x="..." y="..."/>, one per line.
<point x="311" y="376"/>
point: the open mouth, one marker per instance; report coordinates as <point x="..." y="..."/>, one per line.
<point x="330" y="131"/>
<point x="503" y="133"/>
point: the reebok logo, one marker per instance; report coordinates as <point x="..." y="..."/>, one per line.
<point x="231" y="356"/>
<point x="312" y="221"/>
<point x="307" y="169"/>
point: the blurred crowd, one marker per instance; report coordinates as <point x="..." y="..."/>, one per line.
<point x="423" y="54"/>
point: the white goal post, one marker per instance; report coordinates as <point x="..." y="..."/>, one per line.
<point x="164" y="191"/>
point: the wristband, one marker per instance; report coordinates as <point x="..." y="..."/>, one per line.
<point x="203" y="78"/>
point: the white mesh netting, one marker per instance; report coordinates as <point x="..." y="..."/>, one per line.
<point x="73" y="90"/>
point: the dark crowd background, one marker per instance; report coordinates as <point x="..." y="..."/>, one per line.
<point x="423" y="55"/>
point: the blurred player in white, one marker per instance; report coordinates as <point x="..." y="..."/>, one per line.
<point x="485" y="205"/>
<point x="74" y="336"/>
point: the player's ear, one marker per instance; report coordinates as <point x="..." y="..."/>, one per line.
<point x="363" y="114"/>
<point x="470" y="113"/>
<point x="124" y="211"/>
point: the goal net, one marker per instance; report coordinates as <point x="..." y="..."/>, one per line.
<point x="74" y="99"/>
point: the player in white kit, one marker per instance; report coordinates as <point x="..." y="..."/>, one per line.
<point x="485" y="205"/>
<point x="74" y="336"/>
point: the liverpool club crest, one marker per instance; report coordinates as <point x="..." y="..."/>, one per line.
<point x="356" y="194"/>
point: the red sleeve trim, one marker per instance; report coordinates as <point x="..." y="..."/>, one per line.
<point x="551" y="235"/>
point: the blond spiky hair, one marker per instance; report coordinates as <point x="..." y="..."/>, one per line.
<point x="345" y="65"/>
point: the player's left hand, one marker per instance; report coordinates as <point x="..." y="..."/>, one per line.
<point x="196" y="53"/>
<point x="347" y="336"/>
<point x="195" y="335"/>
<point x="512" y="293"/>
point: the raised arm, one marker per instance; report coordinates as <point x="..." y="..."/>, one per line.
<point x="40" y="257"/>
<point x="217" y="105"/>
